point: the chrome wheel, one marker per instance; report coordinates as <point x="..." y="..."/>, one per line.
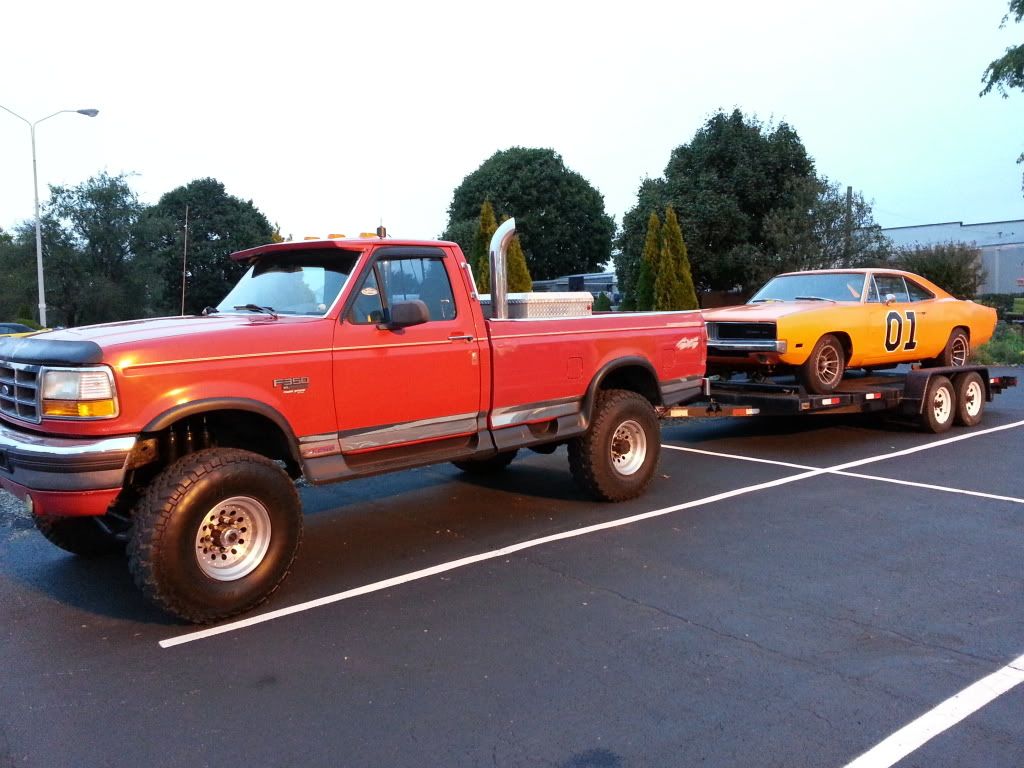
<point x="959" y="351"/>
<point x="829" y="366"/>
<point x="629" y="447"/>
<point x="233" y="538"/>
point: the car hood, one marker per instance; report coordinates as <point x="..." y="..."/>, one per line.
<point x="157" y="339"/>
<point x="767" y="312"/>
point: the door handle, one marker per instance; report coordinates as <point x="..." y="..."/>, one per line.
<point x="461" y="338"/>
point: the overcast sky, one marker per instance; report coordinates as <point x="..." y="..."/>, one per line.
<point x="333" y="116"/>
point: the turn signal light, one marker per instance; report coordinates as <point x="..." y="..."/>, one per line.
<point x="87" y="409"/>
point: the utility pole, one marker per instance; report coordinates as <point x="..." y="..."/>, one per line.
<point x="184" y="262"/>
<point x="848" y="240"/>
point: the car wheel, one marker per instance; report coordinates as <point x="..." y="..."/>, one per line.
<point x="970" y="398"/>
<point x="824" y="368"/>
<point x="955" y="354"/>
<point x="215" y="534"/>
<point x="488" y="466"/>
<point x="615" y="458"/>
<point x="939" y="405"/>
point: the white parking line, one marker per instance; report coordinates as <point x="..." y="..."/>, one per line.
<point x="942" y="718"/>
<point x="466" y="561"/>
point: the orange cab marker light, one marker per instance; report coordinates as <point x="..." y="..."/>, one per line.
<point x="335" y="237"/>
<point x="311" y="237"/>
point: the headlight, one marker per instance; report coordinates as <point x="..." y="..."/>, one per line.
<point x="79" y="393"/>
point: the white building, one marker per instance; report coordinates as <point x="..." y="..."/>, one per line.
<point x="1001" y="244"/>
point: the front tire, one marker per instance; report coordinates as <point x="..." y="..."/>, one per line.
<point x="615" y="458"/>
<point x="215" y="534"/>
<point x="82" y="536"/>
<point x="824" y="368"/>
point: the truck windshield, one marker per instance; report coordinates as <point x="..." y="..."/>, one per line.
<point x="834" y="286"/>
<point x="292" y="282"/>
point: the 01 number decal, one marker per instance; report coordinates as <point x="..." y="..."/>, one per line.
<point x="894" y="326"/>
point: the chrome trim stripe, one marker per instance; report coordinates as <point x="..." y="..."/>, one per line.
<point x="542" y="411"/>
<point x="753" y="345"/>
<point x="41" y="447"/>
<point x="578" y="332"/>
<point x="407" y="432"/>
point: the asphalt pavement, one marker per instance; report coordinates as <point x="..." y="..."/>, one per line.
<point x="790" y="593"/>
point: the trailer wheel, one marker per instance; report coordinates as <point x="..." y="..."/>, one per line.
<point x="615" y="458"/>
<point x="955" y="354"/>
<point x="82" y="536"/>
<point x="823" y="370"/>
<point x="215" y="534"/>
<point x="970" y="398"/>
<point x="488" y="466"/>
<point x="939" y="405"/>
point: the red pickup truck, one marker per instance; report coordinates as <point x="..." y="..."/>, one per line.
<point x="182" y="437"/>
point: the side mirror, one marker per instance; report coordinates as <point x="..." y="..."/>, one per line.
<point x="890" y="298"/>
<point x="402" y="314"/>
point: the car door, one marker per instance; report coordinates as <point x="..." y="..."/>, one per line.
<point x="412" y="385"/>
<point x="892" y="321"/>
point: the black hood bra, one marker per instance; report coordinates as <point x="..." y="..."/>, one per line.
<point x="38" y="350"/>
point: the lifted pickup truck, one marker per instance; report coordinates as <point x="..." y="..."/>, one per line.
<point x="182" y="437"/>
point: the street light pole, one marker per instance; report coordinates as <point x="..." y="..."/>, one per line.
<point x="35" y="190"/>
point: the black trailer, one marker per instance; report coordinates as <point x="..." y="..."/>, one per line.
<point x="934" y="398"/>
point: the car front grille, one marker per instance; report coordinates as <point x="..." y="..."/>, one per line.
<point x="19" y="391"/>
<point x="741" y="331"/>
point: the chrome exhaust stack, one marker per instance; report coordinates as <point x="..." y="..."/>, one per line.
<point x="499" y="274"/>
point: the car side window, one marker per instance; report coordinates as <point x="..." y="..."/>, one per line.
<point x="917" y="292"/>
<point x="368" y="308"/>
<point x="891" y="284"/>
<point x="873" y="292"/>
<point x="418" y="278"/>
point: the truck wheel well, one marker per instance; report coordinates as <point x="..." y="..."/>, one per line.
<point x="635" y="378"/>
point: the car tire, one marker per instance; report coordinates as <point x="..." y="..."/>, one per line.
<point x="489" y="466"/>
<point x="939" y="407"/>
<point x="615" y="458"/>
<point x="823" y="370"/>
<point x="955" y="354"/>
<point x="82" y="536"/>
<point x="215" y="534"/>
<point x="970" y="398"/>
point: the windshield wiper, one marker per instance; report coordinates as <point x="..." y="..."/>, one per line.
<point x="813" y="298"/>
<point x="758" y="301"/>
<point x="257" y="308"/>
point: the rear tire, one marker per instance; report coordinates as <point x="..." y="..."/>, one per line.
<point x="82" y="536"/>
<point x="489" y="466"/>
<point x="215" y="534"/>
<point x="970" y="398"/>
<point x="939" y="405"/>
<point x="824" y="368"/>
<point x="615" y="458"/>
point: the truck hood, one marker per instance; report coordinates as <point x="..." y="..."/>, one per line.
<point x="765" y="313"/>
<point x="164" y="338"/>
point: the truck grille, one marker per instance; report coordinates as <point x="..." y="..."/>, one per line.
<point x="19" y="390"/>
<point x="742" y="331"/>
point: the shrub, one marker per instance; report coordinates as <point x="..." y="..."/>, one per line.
<point x="1006" y="347"/>
<point x="602" y="303"/>
<point x="954" y="267"/>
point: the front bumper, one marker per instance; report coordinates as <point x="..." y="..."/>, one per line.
<point x="63" y="476"/>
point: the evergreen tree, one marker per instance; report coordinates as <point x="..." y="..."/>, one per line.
<point x="519" y="280"/>
<point x="649" y="265"/>
<point x="667" y="290"/>
<point x="480" y="258"/>
<point x="602" y="303"/>
<point x="676" y="245"/>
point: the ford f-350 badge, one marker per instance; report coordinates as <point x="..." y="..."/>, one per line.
<point x="293" y="386"/>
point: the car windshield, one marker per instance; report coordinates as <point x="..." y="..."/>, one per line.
<point x="832" y="286"/>
<point x="302" y="282"/>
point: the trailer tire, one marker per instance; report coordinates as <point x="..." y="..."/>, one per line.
<point x="970" y="398"/>
<point x="615" y="458"/>
<point x="489" y="466"/>
<point x="824" y="368"/>
<point x="939" y="406"/>
<point x="82" y="536"/>
<point x="215" y="534"/>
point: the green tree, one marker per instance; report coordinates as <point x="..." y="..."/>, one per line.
<point x="723" y="185"/>
<point x="648" y="266"/>
<point x="651" y="198"/>
<point x="668" y="294"/>
<point x="519" y="280"/>
<point x="1008" y="70"/>
<point x="18" y="268"/>
<point x="559" y="216"/>
<point x="602" y="303"/>
<point x="954" y="267"/>
<point x="676" y="247"/>
<point x="218" y="225"/>
<point x="487" y="225"/>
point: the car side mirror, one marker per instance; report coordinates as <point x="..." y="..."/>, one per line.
<point x="890" y="298"/>
<point x="402" y="314"/>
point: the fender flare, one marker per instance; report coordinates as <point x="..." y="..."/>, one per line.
<point x="587" y="405"/>
<point x="209" y="405"/>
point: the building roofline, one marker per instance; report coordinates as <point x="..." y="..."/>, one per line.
<point x="947" y="223"/>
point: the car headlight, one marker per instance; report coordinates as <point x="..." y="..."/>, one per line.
<point x="79" y="393"/>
